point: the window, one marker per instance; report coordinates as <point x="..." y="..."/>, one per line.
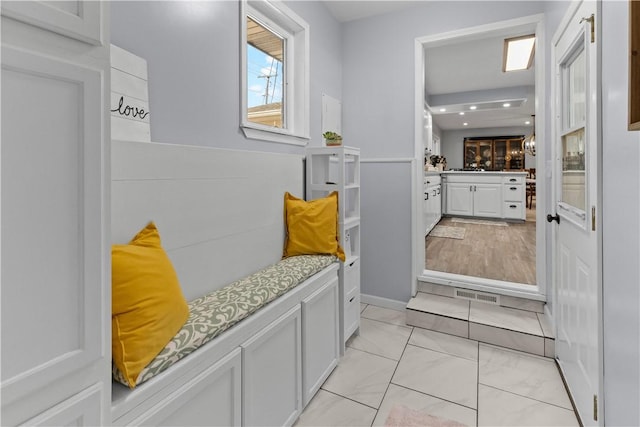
<point x="274" y="73"/>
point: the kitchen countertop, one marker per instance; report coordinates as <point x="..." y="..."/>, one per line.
<point x="483" y="173"/>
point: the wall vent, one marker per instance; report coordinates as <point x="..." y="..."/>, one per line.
<point x="477" y="296"/>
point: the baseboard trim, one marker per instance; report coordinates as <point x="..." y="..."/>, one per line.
<point x="383" y="302"/>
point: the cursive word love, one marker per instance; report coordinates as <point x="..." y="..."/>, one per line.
<point x="129" y="110"/>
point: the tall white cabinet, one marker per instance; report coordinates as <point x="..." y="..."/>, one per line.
<point x="338" y="169"/>
<point x="54" y="175"/>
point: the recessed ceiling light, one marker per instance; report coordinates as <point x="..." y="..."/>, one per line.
<point x="461" y="113"/>
<point x="473" y="107"/>
<point x="442" y="110"/>
<point x="506" y="104"/>
<point x="518" y="53"/>
<point x="465" y="124"/>
<point x="527" y="122"/>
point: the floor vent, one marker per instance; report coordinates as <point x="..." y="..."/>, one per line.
<point x="477" y="296"/>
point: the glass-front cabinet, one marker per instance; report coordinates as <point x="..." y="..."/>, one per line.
<point x="494" y="153"/>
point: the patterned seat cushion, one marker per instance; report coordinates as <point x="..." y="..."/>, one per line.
<point x="216" y="312"/>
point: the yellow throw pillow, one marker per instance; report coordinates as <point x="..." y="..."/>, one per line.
<point x="312" y="227"/>
<point x="148" y="307"/>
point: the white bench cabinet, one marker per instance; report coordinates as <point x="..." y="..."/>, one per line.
<point x="320" y="338"/>
<point x="213" y="398"/>
<point x="272" y="373"/>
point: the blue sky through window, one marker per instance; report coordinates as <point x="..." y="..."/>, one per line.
<point x="263" y="70"/>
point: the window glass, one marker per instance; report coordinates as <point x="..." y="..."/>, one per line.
<point x="265" y="75"/>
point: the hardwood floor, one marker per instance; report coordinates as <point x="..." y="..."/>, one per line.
<point x="488" y="251"/>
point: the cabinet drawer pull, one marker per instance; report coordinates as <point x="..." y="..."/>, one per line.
<point x="513" y="188"/>
<point x="352" y="298"/>
<point x="512" y="206"/>
<point x="438" y="190"/>
<point x="512" y="180"/>
<point x="351" y="265"/>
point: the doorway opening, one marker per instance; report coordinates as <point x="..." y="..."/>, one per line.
<point x="486" y="261"/>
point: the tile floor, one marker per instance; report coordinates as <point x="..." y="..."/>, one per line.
<point x="441" y="375"/>
<point x="522" y="330"/>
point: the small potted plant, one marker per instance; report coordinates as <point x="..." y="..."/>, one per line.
<point x="332" y="138"/>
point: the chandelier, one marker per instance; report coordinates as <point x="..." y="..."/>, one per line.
<point x="529" y="143"/>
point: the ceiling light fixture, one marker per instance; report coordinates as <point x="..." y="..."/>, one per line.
<point x="461" y="113"/>
<point x="527" y="122"/>
<point x="442" y="110"/>
<point x="465" y="124"/>
<point x="473" y="107"/>
<point x="529" y="143"/>
<point x="506" y="104"/>
<point x="518" y="53"/>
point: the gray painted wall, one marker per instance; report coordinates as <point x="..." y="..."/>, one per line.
<point x="193" y="53"/>
<point x="378" y="104"/>
<point x="621" y="230"/>
<point x="453" y="143"/>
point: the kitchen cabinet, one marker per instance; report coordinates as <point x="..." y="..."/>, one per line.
<point x="494" y="153"/>
<point x="485" y="194"/>
<point x="432" y="205"/>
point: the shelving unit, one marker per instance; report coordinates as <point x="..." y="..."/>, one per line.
<point x="338" y="169"/>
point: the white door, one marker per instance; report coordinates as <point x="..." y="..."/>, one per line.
<point x="576" y="235"/>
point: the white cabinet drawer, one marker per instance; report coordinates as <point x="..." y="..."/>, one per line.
<point x="351" y="276"/>
<point x="513" y="193"/>
<point x="513" y="179"/>
<point x="351" y="312"/>
<point x="513" y="210"/>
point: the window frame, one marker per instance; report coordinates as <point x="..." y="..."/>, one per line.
<point x="275" y="16"/>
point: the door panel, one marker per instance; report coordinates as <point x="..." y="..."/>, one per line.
<point x="577" y="238"/>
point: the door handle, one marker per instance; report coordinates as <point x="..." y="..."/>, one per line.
<point x="438" y="190"/>
<point x="555" y="218"/>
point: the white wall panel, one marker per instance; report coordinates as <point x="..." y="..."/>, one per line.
<point x="621" y="226"/>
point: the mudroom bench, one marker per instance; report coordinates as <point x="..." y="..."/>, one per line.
<point x="263" y="332"/>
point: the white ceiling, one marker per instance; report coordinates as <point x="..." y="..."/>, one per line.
<point x="462" y="72"/>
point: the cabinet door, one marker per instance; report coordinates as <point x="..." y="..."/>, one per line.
<point x="213" y="398"/>
<point x="53" y="231"/>
<point x="271" y="373"/>
<point x="76" y="19"/>
<point x="82" y="409"/>
<point x="459" y="199"/>
<point x="487" y="200"/>
<point x="320" y="337"/>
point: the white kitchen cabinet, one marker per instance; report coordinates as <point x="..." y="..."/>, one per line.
<point x="338" y="169"/>
<point x="55" y="214"/>
<point x="485" y="194"/>
<point x="459" y="199"/>
<point x="487" y="200"/>
<point x="432" y="208"/>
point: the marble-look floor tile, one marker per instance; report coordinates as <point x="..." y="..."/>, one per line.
<point x="386" y="315"/>
<point x="362" y="377"/>
<point x="506" y="318"/>
<point x="510" y="339"/>
<point x="432" y="288"/>
<point x="444" y="343"/>
<point x="381" y="338"/>
<point x="328" y="409"/>
<point x="397" y="395"/>
<point x="443" y="306"/>
<point x="547" y="329"/>
<point x="522" y="304"/>
<point x="362" y="307"/>
<point x="523" y="374"/>
<point x="437" y="374"/>
<point x="438" y="323"/>
<point x="501" y="408"/>
<point x="550" y="348"/>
